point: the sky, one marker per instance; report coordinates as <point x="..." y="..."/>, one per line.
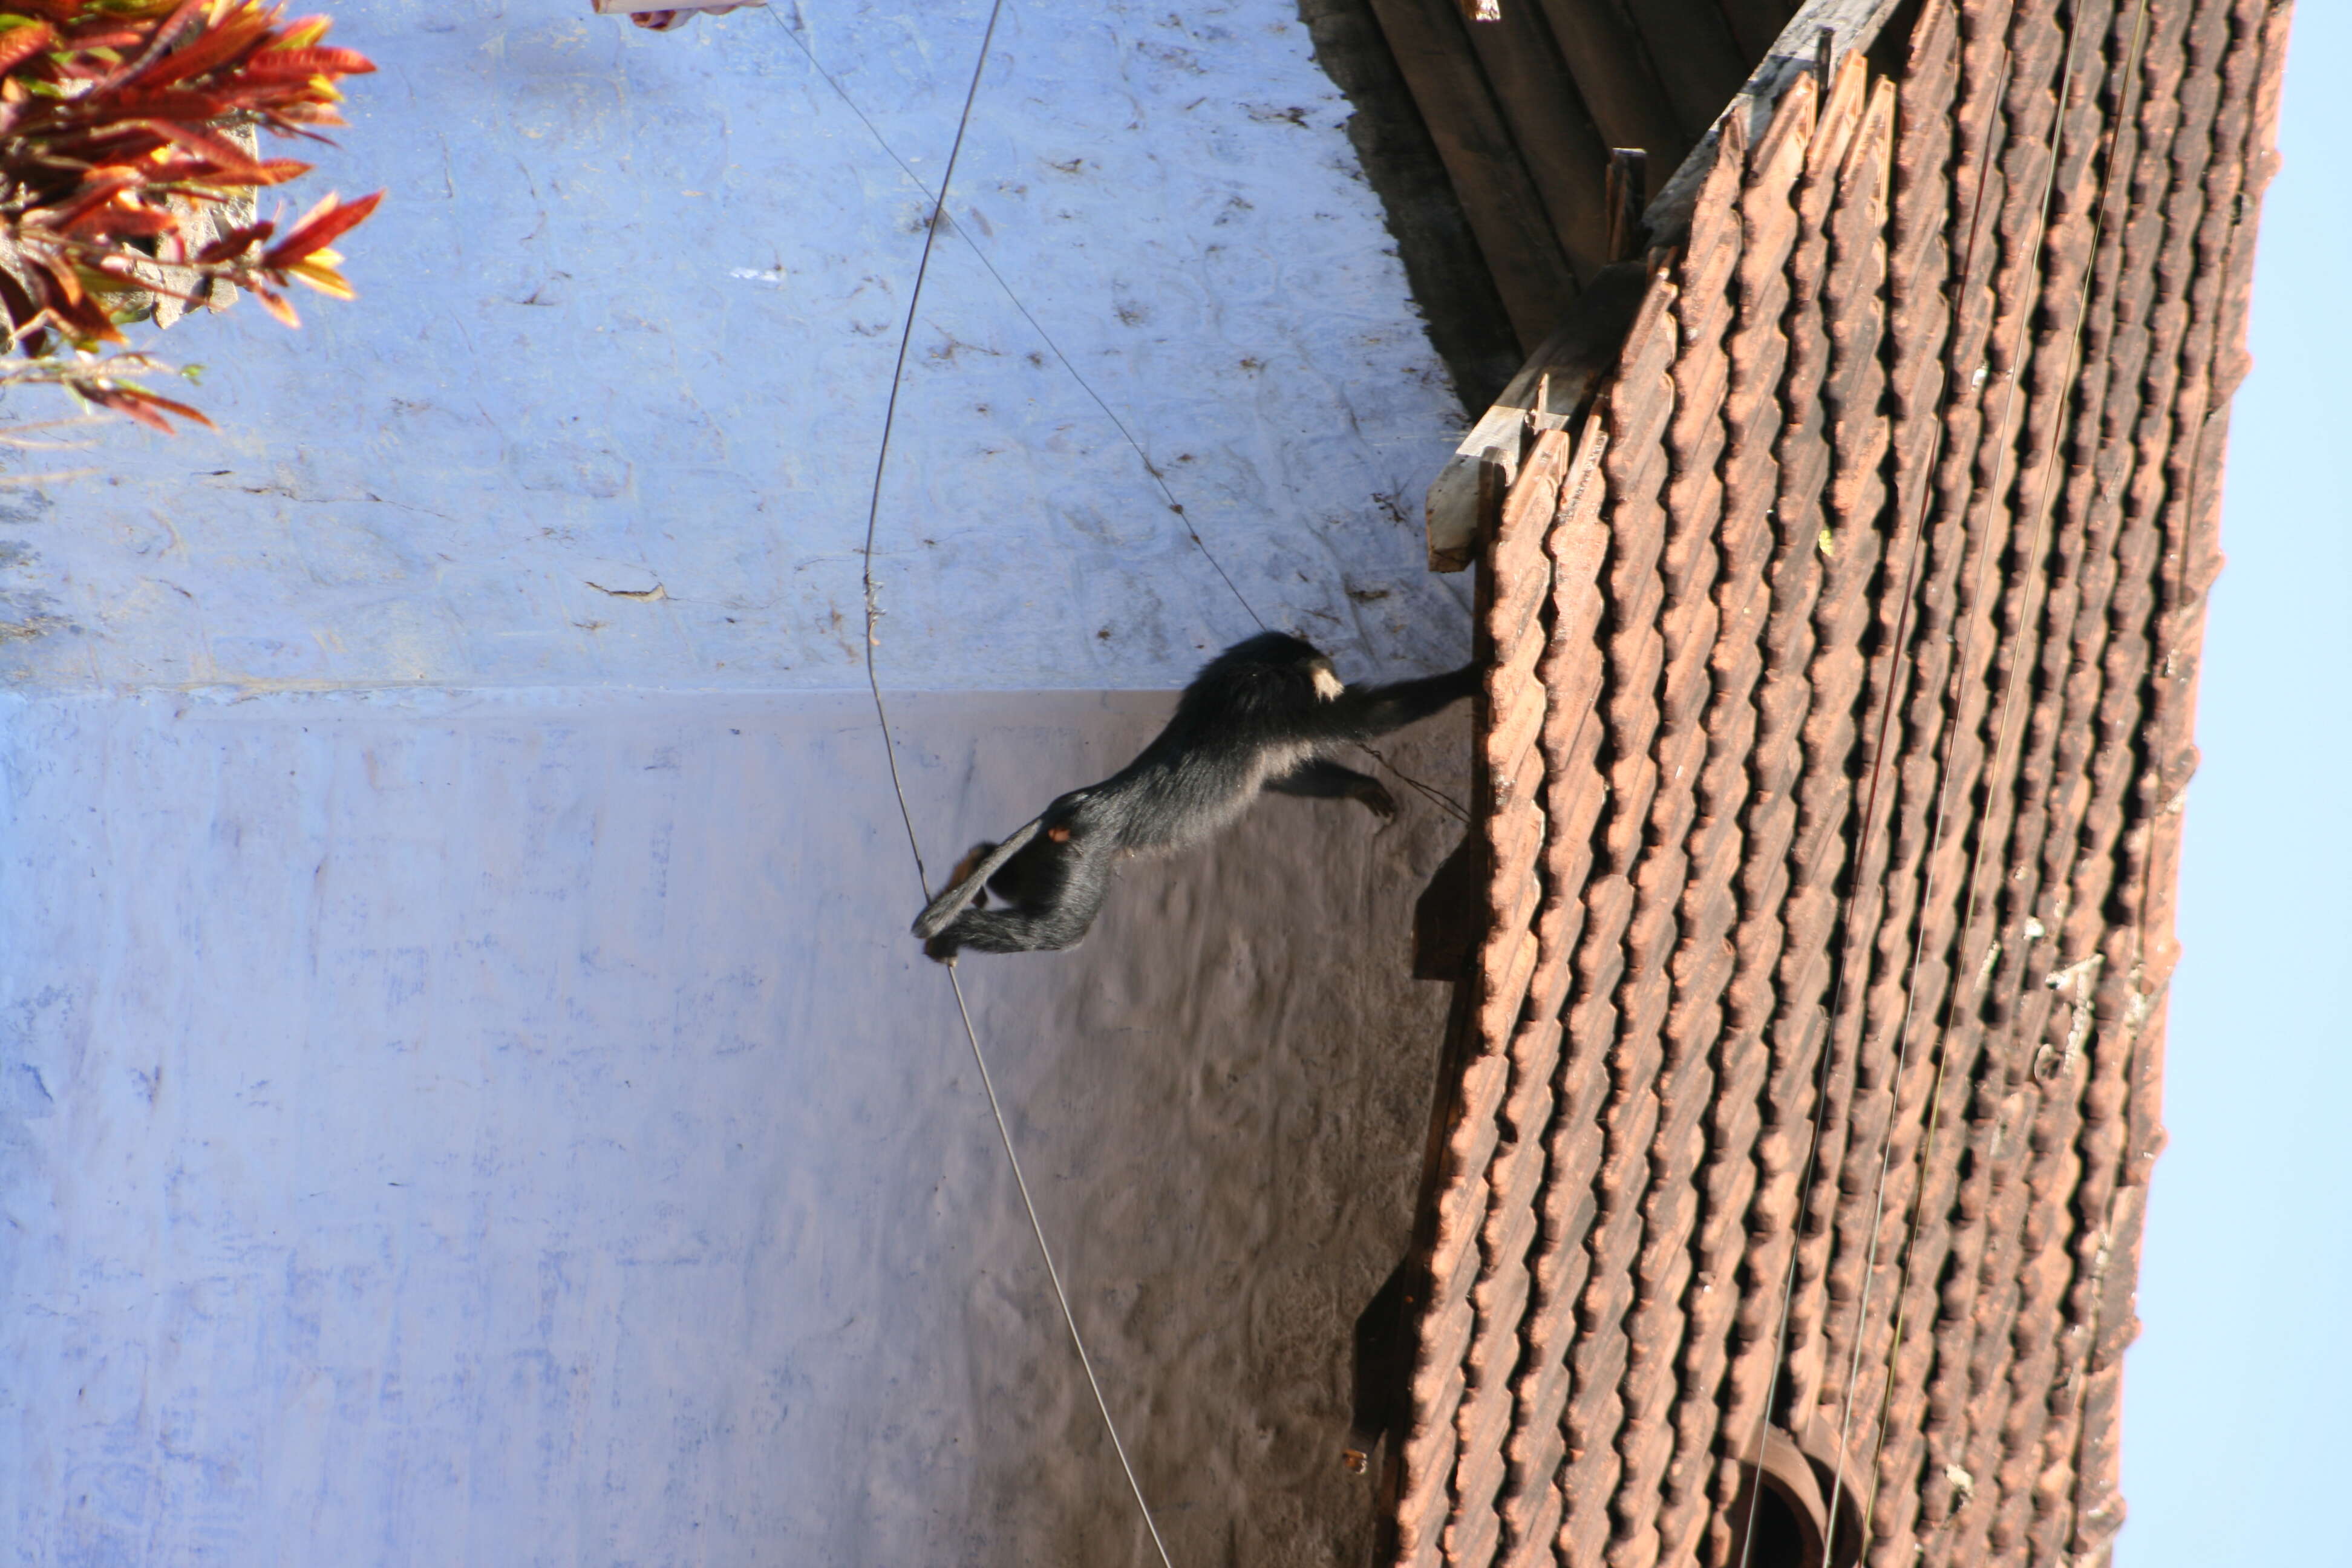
<point x="2235" y="1445"/>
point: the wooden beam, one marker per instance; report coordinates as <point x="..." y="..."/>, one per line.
<point x="1629" y="182"/>
<point x="1550" y="391"/>
<point x="1698" y="62"/>
<point x="1756" y="24"/>
<point x="1498" y="197"/>
<point x="1556" y="137"/>
<point x="1851" y="24"/>
<point x="1560" y="377"/>
<point x="1616" y="80"/>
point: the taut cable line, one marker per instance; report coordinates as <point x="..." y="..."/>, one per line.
<point x="1936" y="837"/>
<point x="873" y="515"/>
<point x="1158" y="476"/>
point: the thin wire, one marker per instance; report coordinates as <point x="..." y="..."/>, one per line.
<point x="2009" y="706"/>
<point x="940" y="208"/>
<point x="1037" y="1228"/>
<point x="1159" y="476"/>
<point x="1438" y="796"/>
<point x="1870" y="812"/>
<point x="874" y="683"/>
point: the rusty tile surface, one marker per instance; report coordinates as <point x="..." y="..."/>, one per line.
<point x="1834" y="747"/>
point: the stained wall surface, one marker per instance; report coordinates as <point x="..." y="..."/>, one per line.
<point x="628" y="319"/>
<point x="467" y="1091"/>
<point x="450" y="1130"/>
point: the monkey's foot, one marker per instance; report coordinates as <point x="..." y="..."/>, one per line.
<point x="1377" y="799"/>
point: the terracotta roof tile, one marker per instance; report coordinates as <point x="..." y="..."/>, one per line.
<point x="1844" y="661"/>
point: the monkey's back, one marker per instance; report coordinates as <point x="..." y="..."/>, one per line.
<point x="1234" y="728"/>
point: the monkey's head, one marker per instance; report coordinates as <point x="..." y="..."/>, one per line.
<point x="1294" y="656"/>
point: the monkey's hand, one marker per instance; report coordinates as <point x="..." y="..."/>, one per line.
<point x="1376" y="798"/>
<point x="942" y="949"/>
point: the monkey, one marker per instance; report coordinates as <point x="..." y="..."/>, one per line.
<point x="1259" y="716"/>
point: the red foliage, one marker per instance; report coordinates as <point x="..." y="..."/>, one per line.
<point x="117" y="161"/>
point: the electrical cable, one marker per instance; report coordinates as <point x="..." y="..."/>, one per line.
<point x="1943" y="801"/>
<point x="1159" y="476"/>
<point x="874" y="683"/>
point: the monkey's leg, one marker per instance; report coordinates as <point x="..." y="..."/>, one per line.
<point x="1330" y="781"/>
<point x="1362" y="713"/>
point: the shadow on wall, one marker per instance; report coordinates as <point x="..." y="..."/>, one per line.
<point x="509" y="1129"/>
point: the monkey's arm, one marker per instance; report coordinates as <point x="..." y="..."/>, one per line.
<point x="1361" y="713"/>
<point x="1330" y="781"/>
<point x="950" y="904"/>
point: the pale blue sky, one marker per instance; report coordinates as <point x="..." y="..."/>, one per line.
<point x="2236" y="1399"/>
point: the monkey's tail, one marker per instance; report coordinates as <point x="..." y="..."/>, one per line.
<point x="951" y="903"/>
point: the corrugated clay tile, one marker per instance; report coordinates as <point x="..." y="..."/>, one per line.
<point x="2081" y="824"/>
<point x="2225" y="50"/>
<point x="1943" y="699"/>
<point x="1527" y="1506"/>
<point x="1675" y="814"/>
<point x="1635" y="412"/>
<point x="1728" y="371"/>
<point x="1976" y="722"/>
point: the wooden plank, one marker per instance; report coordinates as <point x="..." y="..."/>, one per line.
<point x="1756" y="24"/>
<point x="1616" y="79"/>
<point x="1698" y="63"/>
<point x="1550" y="389"/>
<point x="1853" y="24"/>
<point x="1499" y="198"/>
<point x="1629" y="179"/>
<point x="1556" y="137"/>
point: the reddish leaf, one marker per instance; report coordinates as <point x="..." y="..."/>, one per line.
<point x="115" y="221"/>
<point x="21" y="44"/>
<point x="213" y="49"/>
<point x="225" y="155"/>
<point x="235" y="242"/>
<point x="307" y="63"/>
<point x="100" y="190"/>
<point x="319" y="229"/>
<point x="160" y="39"/>
<point x="178" y="103"/>
<point x="273" y="302"/>
<point x="138" y="403"/>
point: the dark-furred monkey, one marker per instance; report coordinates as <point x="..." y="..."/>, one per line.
<point x="1262" y="715"/>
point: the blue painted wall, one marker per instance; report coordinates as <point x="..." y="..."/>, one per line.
<point x="627" y="320"/>
<point x="492" y="1129"/>
<point x="466" y="1092"/>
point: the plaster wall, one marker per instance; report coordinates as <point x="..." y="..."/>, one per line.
<point x="466" y="1092"/>
<point x="441" y="1129"/>
<point x="627" y="325"/>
